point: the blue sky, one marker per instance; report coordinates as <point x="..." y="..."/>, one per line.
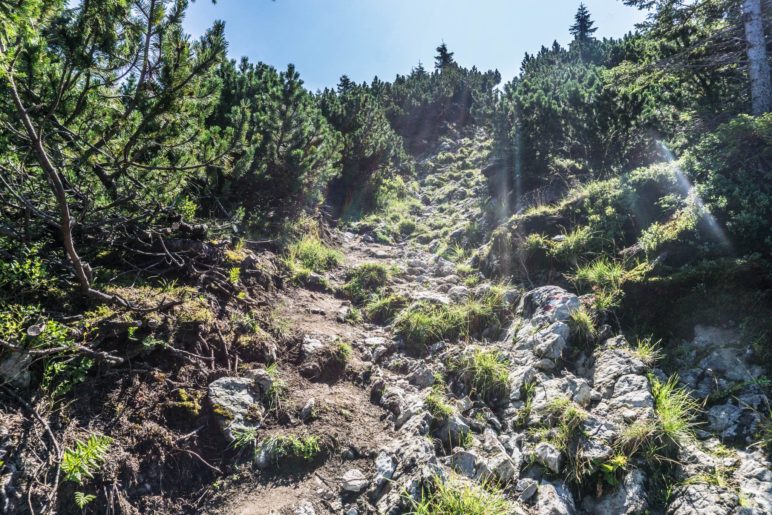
<point x="363" y="38"/>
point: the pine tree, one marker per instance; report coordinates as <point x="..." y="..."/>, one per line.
<point x="583" y="27"/>
<point x="444" y="58"/>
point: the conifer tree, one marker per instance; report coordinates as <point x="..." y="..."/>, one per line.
<point x="444" y="57"/>
<point x="583" y="27"/>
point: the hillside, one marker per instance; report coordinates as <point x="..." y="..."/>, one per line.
<point x="223" y="293"/>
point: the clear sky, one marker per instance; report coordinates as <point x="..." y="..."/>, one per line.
<point x="363" y="38"/>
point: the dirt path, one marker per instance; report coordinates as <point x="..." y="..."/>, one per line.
<point x="347" y="414"/>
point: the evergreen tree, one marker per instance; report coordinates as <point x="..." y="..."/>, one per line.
<point x="583" y="27"/>
<point x="444" y="58"/>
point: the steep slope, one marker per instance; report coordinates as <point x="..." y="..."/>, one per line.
<point x="511" y="398"/>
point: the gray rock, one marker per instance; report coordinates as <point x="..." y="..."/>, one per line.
<point x="354" y="481"/>
<point x="611" y="364"/>
<point x="308" y="410"/>
<point x="421" y="376"/>
<point x="754" y="476"/>
<point x="554" y="499"/>
<point x="385" y="465"/>
<point x="236" y="404"/>
<point x="304" y="508"/>
<point x="311" y="346"/>
<point x="526" y="488"/>
<point x="453" y="431"/>
<point x="628" y="498"/>
<point x="723" y="419"/>
<point x="464" y="462"/>
<point x="548" y="304"/>
<point x="702" y="499"/>
<point x="549" y="456"/>
<point x="14" y="369"/>
<point x="458" y="293"/>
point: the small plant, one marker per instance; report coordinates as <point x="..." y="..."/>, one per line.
<point x="244" y="439"/>
<point x="435" y="403"/>
<point x="86" y="458"/>
<point x="567" y="417"/>
<point x="582" y="326"/>
<point x="301" y="447"/>
<point x="648" y="351"/>
<point x="234" y="275"/>
<point x="573" y="245"/>
<point x="603" y="273"/>
<point x="486" y="372"/>
<point x="343" y="351"/>
<point x="455" y="497"/>
<point x="82" y="500"/>
<point x="612" y="468"/>
<point x="675" y="408"/>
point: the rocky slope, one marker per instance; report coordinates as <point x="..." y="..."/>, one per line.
<point x="545" y="418"/>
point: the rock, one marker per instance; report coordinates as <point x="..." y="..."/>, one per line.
<point x="464" y="462"/>
<point x="723" y="420"/>
<point x="458" y="293"/>
<point x="262" y="379"/>
<point x="548" y="304"/>
<point x="549" y="456"/>
<point x="431" y="297"/>
<point x="526" y="488"/>
<point x="354" y="481"/>
<point x="14" y="369"/>
<point x="235" y="402"/>
<point x="611" y="363"/>
<point x="343" y="313"/>
<point x="554" y="499"/>
<point x="308" y="410"/>
<point x="702" y="499"/>
<point x="421" y="376"/>
<point x="754" y="477"/>
<point x="311" y="346"/>
<point x="628" y="498"/>
<point x="385" y="465"/>
<point x="453" y="431"/>
<point x="304" y="508"/>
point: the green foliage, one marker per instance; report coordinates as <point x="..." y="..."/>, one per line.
<point x="309" y="255"/>
<point x="306" y="447"/>
<point x="382" y="309"/>
<point x="455" y="497"/>
<point x="648" y="350"/>
<point x="82" y="500"/>
<point x="86" y="458"/>
<point x="436" y="403"/>
<point x="365" y="280"/>
<point x="675" y="408"/>
<point x="582" y="326"/>
<point x="486" y="372"/>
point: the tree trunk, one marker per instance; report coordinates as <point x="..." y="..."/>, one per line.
<point x="758" y="66"/>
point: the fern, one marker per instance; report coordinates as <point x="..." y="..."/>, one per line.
<point x="82" y="499"/>
<point x="86" y="458"/>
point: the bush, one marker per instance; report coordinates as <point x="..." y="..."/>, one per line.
<point x="730" y="168"/>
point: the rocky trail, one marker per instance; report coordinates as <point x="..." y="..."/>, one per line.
<point x="521" y="402"/>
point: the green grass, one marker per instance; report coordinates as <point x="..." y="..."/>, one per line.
<point x="602" y="273"/>
<point x="648" y="351"/>
<point x="454" y="497"/>
<point x="382" y="309"/>
<point x="485" y="371"/>
<point x="300" y="447"/>
<point x="343" y="352"/>
<point x="311" y="254"/>
<point x="436" y="404"/>
<point x="574" y="245"/>
<point x="423" y="323"/>
<point x="675" y="408"/>
<point x="365" y="280"/>
<point x="582" y="326"/>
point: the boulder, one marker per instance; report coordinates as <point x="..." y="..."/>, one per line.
<point x="549" y="456"/>
<point x="354" y="481"/>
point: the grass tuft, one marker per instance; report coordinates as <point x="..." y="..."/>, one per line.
<point x="455" y="497"/>
<point x="486" y="372"/>
<point x="675" y="408"/>
<point x="365" y="280"/>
